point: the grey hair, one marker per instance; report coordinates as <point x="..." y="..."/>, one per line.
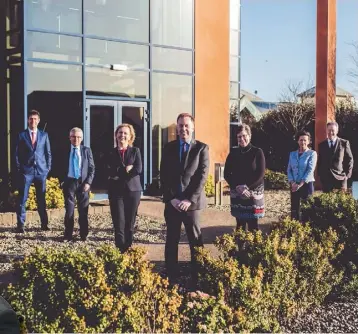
<point x="244" y="127"/>
<point x="333" y="124"/>
<point x="76" y="130"/>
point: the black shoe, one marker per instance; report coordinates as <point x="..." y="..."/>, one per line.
<point x="65" y="239"/>
<point x="45" y="228"/>
<point x="20" y="229"/>
<point x="83" y="238"/>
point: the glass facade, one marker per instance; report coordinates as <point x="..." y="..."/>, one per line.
<point x="77" y="53"/>
<point x="234" y="103"/>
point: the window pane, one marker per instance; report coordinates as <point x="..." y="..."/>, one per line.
<point x="234" y="42"/>
<point x="60" y="16"/>
<point x="172" y="22"/>
<point x="106" y="53"/>
<point x="172" y="60"/>
<point x="235" y="14"/>
<point x="234" y="90"/>
<point x="102" y="81"/>
<point x="234" y="68"/>
<point x="172" y="95"/>
<point x="55" y="90"/>
<point x="56" y="47"/>
<point x="125" y="19"/>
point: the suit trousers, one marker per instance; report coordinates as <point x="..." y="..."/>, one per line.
<point x="174" y="220"/>
<point x="301" y="194"/>
<point x="330" y="183"/>
<point x="72" y="191"/>
<point x="25" y="181"/>
<point x="124" y="209"/>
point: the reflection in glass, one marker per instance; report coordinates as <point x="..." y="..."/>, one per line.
<point x="234" y="42"/>
<point x="55" y="47"/>
<point x="102" y="81"/>
<point x="235" y="14"/>
<point x="172" y="22"/>
<point x="234" y="90"/>
<point x="59" y="16"/>
<point x="100" y="52"/>
<point x="172" y="95"/>
<point x="234" y="68"/>
<point x="55" y="90"/>
<point x="125" y="19"/>
<point x="172" y="60"/>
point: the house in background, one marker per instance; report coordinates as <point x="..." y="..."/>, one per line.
<point x="341" y="95"/>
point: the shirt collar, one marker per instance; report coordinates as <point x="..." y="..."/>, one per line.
<point x="334" y="141"/>
<point x="72" y="147"/>
<point x="30" y="131"/>
<point x="186" y="142"/>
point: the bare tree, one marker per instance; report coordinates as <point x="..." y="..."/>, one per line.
<point x="353" y="72"/>
<point x="293" y="91"/>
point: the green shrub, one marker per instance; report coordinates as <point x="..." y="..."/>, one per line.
<point x="266" y="279"/>
<point x="85" y="291"/>
<point x="209" y="186"/>
<point x="339" y="211"/>
<point x="276" y="180"/>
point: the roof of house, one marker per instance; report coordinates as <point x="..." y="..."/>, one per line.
<point x="340" y="92"/>
<point x="250" y="96"/>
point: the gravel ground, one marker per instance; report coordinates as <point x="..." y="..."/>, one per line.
<point x="334" y="317"/>
<point x="15" y="245"/>
<point x="277" y="204"/>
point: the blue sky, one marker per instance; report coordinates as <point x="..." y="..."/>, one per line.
<point x="278" y="44"/>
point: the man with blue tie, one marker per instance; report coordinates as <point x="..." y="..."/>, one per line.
<point x="33" y="162"/>
<point x="77" y="184"/>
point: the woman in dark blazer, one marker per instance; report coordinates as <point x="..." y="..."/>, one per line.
<point x="124" y="165"/>
<point x="244" y="172"/>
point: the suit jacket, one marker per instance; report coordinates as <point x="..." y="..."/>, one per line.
<point x="9" y="323"/>
<point x="188" y="181"/>
<point x="301" y="168"/>
<point x="28" y="158"/>
<point x="119" y="181"/>
<point x="87" y="165"/>
<point x="339" y="164"/>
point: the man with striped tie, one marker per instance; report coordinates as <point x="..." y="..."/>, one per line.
<point x="77" y="183"/>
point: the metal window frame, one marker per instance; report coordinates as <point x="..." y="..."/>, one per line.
<point x="26" y="59"/>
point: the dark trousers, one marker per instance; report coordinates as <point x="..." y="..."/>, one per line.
<point x="25" y="181"/>
<point x="72" y="191"/>
<point x="330" y="183"/>
<point x="301" y="194"/>
<point x="173" y="220"/>
<point x="247" y="224"/>
<point x="124" y="209"/>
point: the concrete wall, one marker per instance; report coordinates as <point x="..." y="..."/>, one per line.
<point x="212" y="77"/>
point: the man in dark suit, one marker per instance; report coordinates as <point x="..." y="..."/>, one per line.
<point x="335" y="160"/>
<point x="33" y="162"/>
<point x="183" y="173"/>
<point x="9" y="323"/>
<point x="76" y="184"/>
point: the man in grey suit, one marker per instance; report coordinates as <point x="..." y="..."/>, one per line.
<point x="77" y="183"/>
<point x="335" y="160"/>
<point x="183" y="173"/>
<point x="9" y="323"/>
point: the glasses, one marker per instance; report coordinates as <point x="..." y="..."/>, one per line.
<point x="76" y="137"/>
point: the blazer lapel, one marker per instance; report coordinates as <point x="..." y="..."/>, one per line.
<point x="82" y="158"/>
<point x="27" y="137"/>
<point x="338" y="143"/>
<point x="38" y="137"/>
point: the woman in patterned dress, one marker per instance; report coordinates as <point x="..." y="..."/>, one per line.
<point x="244" y="172"/>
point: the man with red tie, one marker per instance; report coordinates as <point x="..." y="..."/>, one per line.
<point x="33" y="162"/>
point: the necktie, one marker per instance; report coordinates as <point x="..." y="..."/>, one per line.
<point x="76" y="163"/>
<point x="331" y="146"/>
<point x="33" y="138"/>
<point x="184" y="153"/>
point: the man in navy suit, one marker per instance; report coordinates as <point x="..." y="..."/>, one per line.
<point x="77" y="183"/>
<point x="33" y="162"/>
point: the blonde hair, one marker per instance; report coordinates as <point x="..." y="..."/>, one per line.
<point x="131" y="132"/>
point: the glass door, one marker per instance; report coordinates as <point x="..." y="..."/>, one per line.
<point x="102" y="118"/>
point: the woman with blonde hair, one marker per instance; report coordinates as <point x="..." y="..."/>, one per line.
<point x="124" y="166"/>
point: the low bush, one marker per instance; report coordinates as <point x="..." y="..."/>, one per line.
<point x="266" y="279"/>
<point x="210" y="186"/>
<point x="85" y="291"/>
<point x="339" y="211"/>
<point x="276" y="180"/>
